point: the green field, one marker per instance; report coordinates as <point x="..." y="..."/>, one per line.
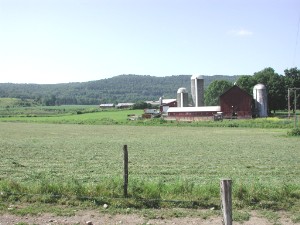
<point x="91" y="115"/>
<point x="166" y="163"/>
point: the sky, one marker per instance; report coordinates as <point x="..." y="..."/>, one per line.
<point x="61" y="41"/>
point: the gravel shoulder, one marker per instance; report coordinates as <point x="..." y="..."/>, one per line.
<point x="97" y="218"/>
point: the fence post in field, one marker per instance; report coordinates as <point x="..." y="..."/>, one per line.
<point x="125" y="170"/>
<point x="226" y="204"/>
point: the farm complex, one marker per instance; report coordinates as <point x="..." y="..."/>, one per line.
<point x="234" y="103"/>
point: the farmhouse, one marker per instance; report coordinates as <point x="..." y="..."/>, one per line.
<point x="236" y="103"/>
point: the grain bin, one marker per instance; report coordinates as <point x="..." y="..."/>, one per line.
<point x="182" y="97"/>
<point x="197" y="90"/>
<point x="261" y="100"/>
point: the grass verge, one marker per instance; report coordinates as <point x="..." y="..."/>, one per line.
<point x="151" y="195"/>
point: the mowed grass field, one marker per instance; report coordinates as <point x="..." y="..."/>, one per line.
<point x="197" y="154"/>
<point x="169" y="166"/>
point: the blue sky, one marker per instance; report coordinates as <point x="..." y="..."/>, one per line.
<point x="60" y="41"/>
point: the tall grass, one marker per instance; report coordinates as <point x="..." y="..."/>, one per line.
<point x="294" y="132"/>
<point x="143" y="194"/>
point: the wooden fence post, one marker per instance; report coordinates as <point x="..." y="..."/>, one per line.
<point x="125" y="170"/>
<point x="226" y="204"/>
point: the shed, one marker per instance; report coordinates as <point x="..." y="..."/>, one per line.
<point x="108" y="105"/>
<point x="124" y="105"/>
<point x="236" y="103"/>
<point x="167" y="103"/>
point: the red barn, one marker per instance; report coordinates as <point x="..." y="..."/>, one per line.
<point x="236" y="103"/>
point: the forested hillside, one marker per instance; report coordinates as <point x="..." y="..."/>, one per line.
<point x="122" y="88"/>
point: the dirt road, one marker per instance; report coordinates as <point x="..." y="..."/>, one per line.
<point x="96" y="218"/>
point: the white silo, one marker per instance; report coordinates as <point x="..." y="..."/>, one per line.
<point x="182" y="97"/>
<point x="197" y="90"/>
<point x="261" y="100"/>
<point x="161" y="101"/>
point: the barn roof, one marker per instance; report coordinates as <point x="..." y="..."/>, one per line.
<point x="125" y="104"/>
<point x="195" y="109"/>
<point x="235" y="87"/>
<point x="164" y="101"/>
<point x="167" y="101"/>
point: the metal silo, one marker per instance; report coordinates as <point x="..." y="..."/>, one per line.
<point x="197" y="90"/>
<point x="160" y="101"/>
<point x="261" y="100"/>
<point x="182" y="97"/>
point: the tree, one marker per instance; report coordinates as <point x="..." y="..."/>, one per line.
<point x="275" y="85"/>
<point x="294" y="75"/>
<point x="49" y="100"/>
<point x="246" y="82"/>
<point x="141" y="105"/>
<point x="214" y="90"/>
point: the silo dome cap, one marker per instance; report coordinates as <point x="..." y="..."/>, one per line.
<point x="197" y="76"/>
<point x="259" y="86"/>
<point x="181" y="90"/>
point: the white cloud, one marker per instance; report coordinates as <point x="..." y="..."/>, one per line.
<point x="240" y="32"/>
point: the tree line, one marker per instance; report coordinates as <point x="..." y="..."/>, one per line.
<point x="122" y="88"/>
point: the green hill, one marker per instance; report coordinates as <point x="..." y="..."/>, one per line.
<point x="122" y="88"/>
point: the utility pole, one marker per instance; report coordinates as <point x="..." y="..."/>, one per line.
<point x="295" y="103"/>
<point x="289" y="104"/>
<point x="295" y="108"/>
<point x="295" y="100"/>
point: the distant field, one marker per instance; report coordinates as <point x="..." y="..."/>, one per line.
<point x="66" y="114"/>
<point x="13" y="108"/>
<point x="93" y="115"/>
